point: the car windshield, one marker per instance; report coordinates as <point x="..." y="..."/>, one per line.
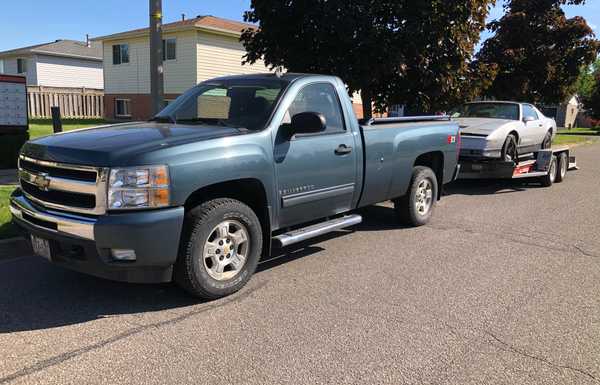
<point x="238" y="103"/>
<point x="508" y="111"/>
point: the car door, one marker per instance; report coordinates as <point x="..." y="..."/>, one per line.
<point x="316" y="173"/>
<point x="534" y="128"/>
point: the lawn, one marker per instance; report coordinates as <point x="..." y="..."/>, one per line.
<point x="43" y="127"/>
<point x="576" y="136"/>
<point x="7" y="229"/>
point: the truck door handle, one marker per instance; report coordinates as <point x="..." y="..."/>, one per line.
<point x="343" y="149"/>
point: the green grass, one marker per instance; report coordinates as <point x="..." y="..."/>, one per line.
<point x="7" y="228"/>
<point x="43" y="127"/>
<point x="576" y="136"/>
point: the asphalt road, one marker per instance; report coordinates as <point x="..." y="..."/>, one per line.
<point x="501" y="288"/>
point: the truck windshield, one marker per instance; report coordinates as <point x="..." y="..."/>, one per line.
<point x="239" y="103"/>
<point x="508" y="111"/>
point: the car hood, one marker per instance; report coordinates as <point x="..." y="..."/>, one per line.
<point x="99" y="146"/>
<point x="481" y="126"/>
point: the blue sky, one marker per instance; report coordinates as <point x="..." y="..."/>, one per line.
<point x="28" y="22"/>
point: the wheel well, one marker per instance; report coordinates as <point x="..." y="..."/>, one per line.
<point x="516" y="135"/>
<point x="435" y="161"/>
<point x="248" y="191"/>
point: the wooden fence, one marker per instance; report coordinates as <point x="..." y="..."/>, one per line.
<point x="73" y="102"/>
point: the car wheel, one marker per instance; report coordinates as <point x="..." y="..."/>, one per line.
<point x="220" y="250"/>
<point x="547" y="143"/>
<point x="549" y="179"/>
<point x="509" y="149"/>
<point x="563" y="166"/>
<point x="416" y="207"/>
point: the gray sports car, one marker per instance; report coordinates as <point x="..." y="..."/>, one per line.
<point x="502" y="130"/>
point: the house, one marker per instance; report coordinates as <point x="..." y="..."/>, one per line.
<point x="62" y="63"/>
<point x="194" y="50"/>
<point x="566" y="113"/>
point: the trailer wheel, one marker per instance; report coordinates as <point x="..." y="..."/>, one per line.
<point x="549" y="179"/>
<point x="416" y="207"/>
<point x="220" y="248"/>
<point x="563" y="166"/>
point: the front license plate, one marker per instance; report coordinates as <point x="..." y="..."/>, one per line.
<point x="41" y="247"/>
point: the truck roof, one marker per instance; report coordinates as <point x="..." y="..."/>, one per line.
<point x="289" y="76"/>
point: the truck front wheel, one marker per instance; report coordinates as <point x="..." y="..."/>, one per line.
<point x="220" y="249"/>
<point x="416" y="207"/>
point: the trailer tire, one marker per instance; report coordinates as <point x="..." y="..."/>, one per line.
<point x="549" y="179"/>
<point x="416" y="207"/>
<point x="220" y="248"/>
<point x="562" y="167"/>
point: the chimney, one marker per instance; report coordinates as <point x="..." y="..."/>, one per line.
<point x="183" y="17"/>
<point x="87" y="40"/>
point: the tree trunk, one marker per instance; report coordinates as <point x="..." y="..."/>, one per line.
<point x="367" y="103"/>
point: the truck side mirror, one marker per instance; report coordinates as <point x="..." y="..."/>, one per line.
<point x="308" y="123"/>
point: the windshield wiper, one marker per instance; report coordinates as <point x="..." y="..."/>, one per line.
<point x="164" y="119"/>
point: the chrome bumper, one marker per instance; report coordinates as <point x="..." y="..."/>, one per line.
<point x="52" y="221"/>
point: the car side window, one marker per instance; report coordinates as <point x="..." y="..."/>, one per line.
<point x="529" y="112"/>
<point x="322" y="98"/>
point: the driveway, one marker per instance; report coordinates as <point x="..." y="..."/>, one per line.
<point x="501" y="288"/>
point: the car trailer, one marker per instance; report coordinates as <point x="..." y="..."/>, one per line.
<point x="547" y="166"/>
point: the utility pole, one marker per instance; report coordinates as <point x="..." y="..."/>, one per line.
<point x="156" y="57"/>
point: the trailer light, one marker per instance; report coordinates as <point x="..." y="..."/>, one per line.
<point x="123" y="254"/>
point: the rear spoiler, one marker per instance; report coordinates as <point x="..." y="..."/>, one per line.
<point x="405" y="119"/>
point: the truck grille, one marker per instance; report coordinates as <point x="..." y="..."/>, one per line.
<point x="66" y="187"/>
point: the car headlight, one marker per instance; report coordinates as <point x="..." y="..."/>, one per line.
<point x="138" y="187"/>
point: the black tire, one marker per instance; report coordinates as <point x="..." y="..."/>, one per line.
<point x="562" y="167"/>
<point x="547" y="142"/>
<point x="549" y="179"/>
<point x="191" y="272"/>
<point x="406" y="206"/>
<point x="510" y="150"/>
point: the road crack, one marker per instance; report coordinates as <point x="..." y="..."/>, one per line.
<point x="510" y="348"/>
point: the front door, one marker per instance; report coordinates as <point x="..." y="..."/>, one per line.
<point x="535" y="131"/>
<point x="316" y="173"/>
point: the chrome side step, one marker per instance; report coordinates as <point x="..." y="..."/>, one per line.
<point x="309" y="232"/>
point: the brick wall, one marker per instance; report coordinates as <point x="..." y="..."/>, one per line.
<point x="140" y="104"/>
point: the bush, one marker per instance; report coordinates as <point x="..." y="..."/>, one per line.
<point x="10" y="145"/>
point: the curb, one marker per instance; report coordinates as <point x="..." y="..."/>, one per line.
<point x="14" y="247"/>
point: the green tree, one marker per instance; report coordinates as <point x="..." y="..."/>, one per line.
<point x="538" y="51"/>
<point x="592" y="102"/>
<point x="584" y="86"/>
<point x="393" y="51"/>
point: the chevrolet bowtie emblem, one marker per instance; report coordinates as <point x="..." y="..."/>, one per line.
<point x="42" y="181"/>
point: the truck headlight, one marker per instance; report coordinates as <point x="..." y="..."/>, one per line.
<point x="138" y="187"/>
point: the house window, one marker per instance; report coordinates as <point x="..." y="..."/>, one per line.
<point x="1" y="66"/>
<point x="120" y="53"/>
<point x="123" y="108"/>
<point x="21" y="66"/>
<point x="169" y="49"/>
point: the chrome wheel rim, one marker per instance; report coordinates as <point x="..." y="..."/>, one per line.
<point x="424" y="197"/>
<point x="226" y="250"/>
<point x="563" y="167"/>
<point x="552" y="170"/>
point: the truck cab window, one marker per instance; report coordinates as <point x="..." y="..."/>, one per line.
<point x="322" y="98"/>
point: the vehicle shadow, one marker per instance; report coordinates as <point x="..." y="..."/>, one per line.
<point x="488" y="186"/>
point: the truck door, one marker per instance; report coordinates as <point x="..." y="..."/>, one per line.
<point x="316" y="173"/>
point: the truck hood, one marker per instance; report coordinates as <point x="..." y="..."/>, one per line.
<point x="99" y="146"/>
<point x="481" y="126"/>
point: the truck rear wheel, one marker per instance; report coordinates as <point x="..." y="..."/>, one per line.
<point x="220" y="249"/>
<point x="416" y="207"/>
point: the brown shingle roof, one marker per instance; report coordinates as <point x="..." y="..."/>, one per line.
<point x="208" y="22"/>
<point x="68" y="48"/>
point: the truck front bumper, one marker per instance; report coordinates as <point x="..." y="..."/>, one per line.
<point x="85" y="243"/>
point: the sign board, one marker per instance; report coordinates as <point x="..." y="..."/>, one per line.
<point x="13" y="103"/>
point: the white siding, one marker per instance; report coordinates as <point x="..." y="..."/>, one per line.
<point x="10" y="68"/>
<point x="134" y="77"/>
<point x="54" y="71"/>
<point x="221" y="56"/>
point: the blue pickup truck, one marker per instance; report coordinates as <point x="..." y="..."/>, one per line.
<point x="233" y="167"/>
